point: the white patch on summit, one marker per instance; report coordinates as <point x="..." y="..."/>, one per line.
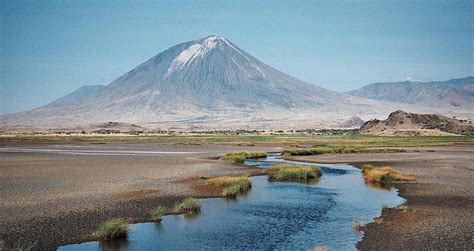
<point x="193" y="52"/>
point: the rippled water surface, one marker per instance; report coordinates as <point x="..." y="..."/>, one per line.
<point x="273" y="215"/>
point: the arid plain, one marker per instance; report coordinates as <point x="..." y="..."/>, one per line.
<point x="56" y="190"/>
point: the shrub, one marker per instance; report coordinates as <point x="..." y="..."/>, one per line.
<point x="113" y="229"/>
<point x="188" y="205"/>
<point x="157" y="213"/>
<point x="233" y="185"/>
<point x="240" y="157"/>
<point x="287" y="172"/>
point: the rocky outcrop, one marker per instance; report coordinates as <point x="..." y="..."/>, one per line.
<point x="404" y="123"/>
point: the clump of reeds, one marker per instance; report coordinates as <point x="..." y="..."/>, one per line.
<point x="240" y="157"/>
<point x="233" y="185"/>
<point x="113" y="229"/>
<point x="384" y="174"/>
<point x="157" y="213"/>
<point x="188" y="205"/>
<point x="289" y="172"/>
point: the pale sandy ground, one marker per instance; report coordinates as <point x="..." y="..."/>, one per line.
<point x="58" y="193"/>
<point x="439" y="213"/>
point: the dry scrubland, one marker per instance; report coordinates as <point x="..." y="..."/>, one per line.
<point x="53" y="198"/>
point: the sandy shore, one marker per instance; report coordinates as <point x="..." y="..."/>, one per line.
<point x="439" y="212"/>
<point x="58" y="193"/>
<point x="61" y="192"/>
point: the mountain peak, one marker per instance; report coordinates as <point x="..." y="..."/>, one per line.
<point x="195" y="51"/>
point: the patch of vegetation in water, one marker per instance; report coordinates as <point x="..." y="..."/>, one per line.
<point x="337" y="149"/>
<point x="233" y="185"/>
<point x="188" y="206"/>
<point x="157" y="213"/>
<point x="113" y="229"/>
<point x="290" y="172"/>
<point x="240" y="157"/>
<point x="384" y="174"/>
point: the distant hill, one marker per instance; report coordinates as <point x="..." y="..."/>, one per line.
<point x="451" y="93"/>
<point x="404" y="123"/>
<point x="77" y="95"/>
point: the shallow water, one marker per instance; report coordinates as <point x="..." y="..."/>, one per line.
<point x="272" y="215"/>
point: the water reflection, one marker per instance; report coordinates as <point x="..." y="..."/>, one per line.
<point x="379" y="185"/>
<point x="113" y="244"/>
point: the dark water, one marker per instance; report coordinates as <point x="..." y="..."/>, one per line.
<point x="273" y="215"/>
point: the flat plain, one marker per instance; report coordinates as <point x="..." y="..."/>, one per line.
<point x="57" y="190"/>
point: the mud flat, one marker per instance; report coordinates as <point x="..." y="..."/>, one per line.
<point x="55" y="193"/>
<point x="439" y="212"/>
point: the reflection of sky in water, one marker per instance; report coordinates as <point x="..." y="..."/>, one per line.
<point x="273" y="215"/>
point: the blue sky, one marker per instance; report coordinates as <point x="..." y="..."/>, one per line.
<point x="51" y="48"/>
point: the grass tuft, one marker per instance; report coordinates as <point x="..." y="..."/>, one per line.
<point x="384" y="174"/>
<point x="233" y="185"/>
<point x="188" y="205"/>
<point x="240" y="157"/>
<point x="113" y="229"/>
<point x="157" y="213"/>
<point x="288" y="172"/>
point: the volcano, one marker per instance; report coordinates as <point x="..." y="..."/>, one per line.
<point x="205" y="83"/>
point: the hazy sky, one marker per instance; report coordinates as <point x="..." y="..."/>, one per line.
<point x="51" y="48"/>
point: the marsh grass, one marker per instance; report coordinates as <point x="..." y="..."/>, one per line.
<point x="157" y="213"/>
<point x="289" y="172"/>
<point x="113" y="229"/>
<point x="384" y="174"/>
<point x="337" y="149"/>
<point x="240" y="157"/>
<point x="188" y="206"/>
<point x="233" y="185"/>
